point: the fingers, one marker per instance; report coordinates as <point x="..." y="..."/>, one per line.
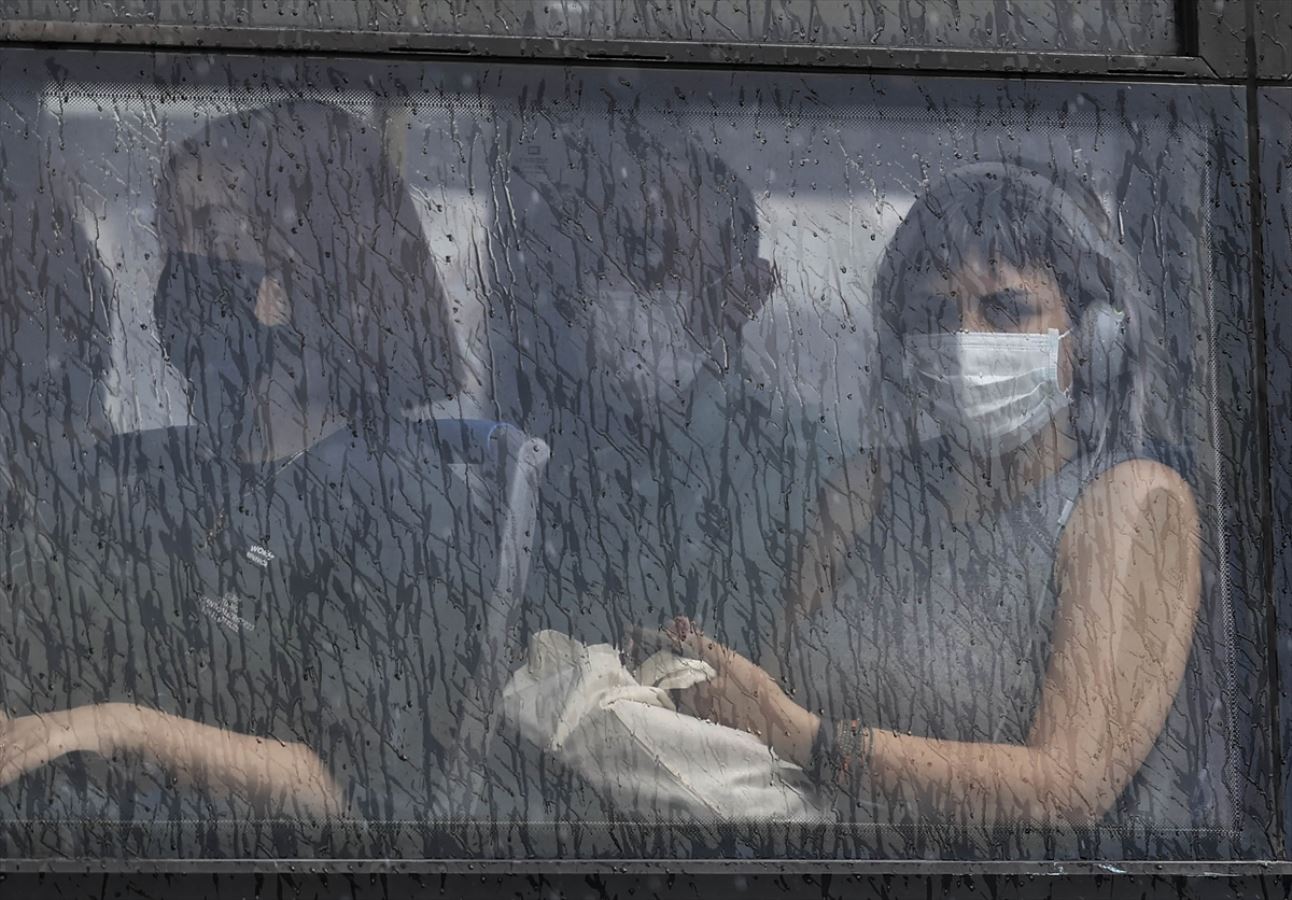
<point x="651" y="640"/>
<point x="687" y="638"/>
<point x="680" y="637"/>
<point x="683" y="637"/>
<point x="691" y="641"/>
<point x="698" y="701"/>
<point x="681" y="628"/>
<point x="741" y="694"/>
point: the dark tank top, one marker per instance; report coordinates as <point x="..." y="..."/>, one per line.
<point x="941" y="625"/>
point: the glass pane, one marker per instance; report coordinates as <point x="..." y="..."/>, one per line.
<point x="1274" y="26"/>
<point x="1276" y="164"/>
<point x="383" y="436"/>
<point x="1103" y="26"/>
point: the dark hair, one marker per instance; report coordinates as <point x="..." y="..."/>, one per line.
<point x="993" y="213"/>
<point x="1003" y="213"/>
<point x="636" y="210"/>
<point x="330" y="211"/>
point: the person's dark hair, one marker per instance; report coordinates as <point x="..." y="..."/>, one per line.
<point x="1000" y="213"/>
<point x="690" y="220"/>
<point x="331" y="215"/>
<point x="642" y="212"/>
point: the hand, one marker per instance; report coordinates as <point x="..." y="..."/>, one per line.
<point x="742" y="695"/>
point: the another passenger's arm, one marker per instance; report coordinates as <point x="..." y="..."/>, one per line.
<point x="260" y="766"/>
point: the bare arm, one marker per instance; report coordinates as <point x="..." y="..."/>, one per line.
<point x="260" y="766"/>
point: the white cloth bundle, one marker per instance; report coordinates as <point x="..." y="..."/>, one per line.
<point x="621" y="732"/>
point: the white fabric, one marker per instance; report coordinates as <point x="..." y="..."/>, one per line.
<point x="621" y="732"/>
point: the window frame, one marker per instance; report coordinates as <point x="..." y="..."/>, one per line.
<point x="1213" y="46"/>
<point x="1219" y="45"/>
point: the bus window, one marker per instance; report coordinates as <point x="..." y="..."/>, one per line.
<point x="885" y="505"/>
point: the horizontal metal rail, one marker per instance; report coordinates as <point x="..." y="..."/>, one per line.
<point x="635" y="51"/>
<point x="730" y="867"/>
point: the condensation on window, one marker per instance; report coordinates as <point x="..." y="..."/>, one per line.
<point x="1105" y="26"/>
<point x="467" y="460"/>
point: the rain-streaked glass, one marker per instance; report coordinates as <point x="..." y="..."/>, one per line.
<point x="500" y="461"/>
<point x="1106" y="26"/>
<point x="1276" y="163"/>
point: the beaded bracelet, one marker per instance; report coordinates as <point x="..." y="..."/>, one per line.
<point x="855" y="743"/>
<point x="838" y="748"/>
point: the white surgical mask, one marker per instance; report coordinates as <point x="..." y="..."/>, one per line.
<point x="990" y="390"/>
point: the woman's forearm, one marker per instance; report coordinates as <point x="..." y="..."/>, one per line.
<point x="195" y="750"/>
<point x="969" y="781"/>
<point x="987" y="782"/>
<point x="795" y="738"/>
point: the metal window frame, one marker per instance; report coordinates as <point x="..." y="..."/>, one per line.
<point x="1232" y="169"/>
<point x="1218" y="43"/>
<point x="1213" y="36"/>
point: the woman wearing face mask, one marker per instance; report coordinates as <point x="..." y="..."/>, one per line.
<point x="992" y="623"/>
<point x="263" y="571"/>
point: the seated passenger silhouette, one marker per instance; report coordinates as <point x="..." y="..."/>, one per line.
<point x="622" y="286"/>
<point x="282" y="583"/>
<point x="52" y="343"/>
<point x="625" y="267"/>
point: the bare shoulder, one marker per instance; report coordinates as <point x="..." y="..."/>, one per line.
<point x="1138" y="490"/>
<point x="1136" y="508"/>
